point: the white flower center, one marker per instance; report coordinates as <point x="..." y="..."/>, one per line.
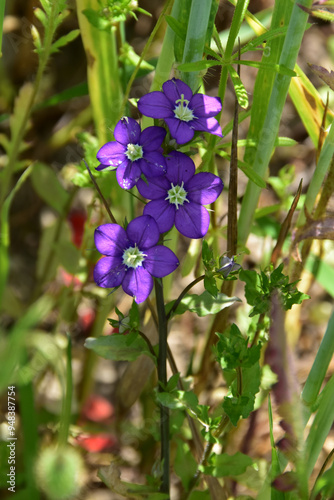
<point x="182" y="112"/>
<point x="134" y="152"/>
<point x="133" y="257"/>
<point x="177" y="195"/>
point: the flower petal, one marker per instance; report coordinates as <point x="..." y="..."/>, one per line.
<point x="153" y="164"/>
<point x="156" y="105"/>
<point x="163" y="213"/>
<point x="138" y="283"/>
<point x="174" y="89"/>
<point x="128" y="174"/>
<point x="109" y="272"/>
<point x="204" y="188"/>
<point x="204" y="105"/>
<point x="111" y="154"/>
<point x="207" y="125"/>
<point x="181" y="131"/>
<point x="127" y="131"/>
<point x="160" y="261"/>
<point x="151" y="138"/>
<point x="156" y="188"/>
<point x="110" y="239"/>
<point x="143" y="231"/>
<point x="192" y="220"/>
<point x="179" y="168"/>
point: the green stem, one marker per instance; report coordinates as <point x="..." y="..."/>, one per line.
<point x="143" y="54"/>
<point x="2" y="15"/>
<point x="65" y="419"/>
<point x="17" y="135"/>
<point x="206" y="454"/>
<point x="30" y="436"/>
<point x="162" y="377"/>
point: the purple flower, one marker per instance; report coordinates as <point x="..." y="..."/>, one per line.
<point x="133" y="152"/>
<point x="182" y="111"/>
<point x="132" y="257"/>
<point x="178" y="196"/>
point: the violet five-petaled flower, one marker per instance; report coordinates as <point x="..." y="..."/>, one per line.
<point x="132" y="256"/>
<point x="133" y="152"/>
<point x="178" y="196"/>
<point x="182" y="111"/>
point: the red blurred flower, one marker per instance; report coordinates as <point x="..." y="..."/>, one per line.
<point x="96" y="442"/>
<point x="97" y="409"/>
<point x="77" y="219"/>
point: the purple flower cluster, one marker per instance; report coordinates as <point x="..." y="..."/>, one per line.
<point x="133" y="256"/>
<point x="178" y="197"/>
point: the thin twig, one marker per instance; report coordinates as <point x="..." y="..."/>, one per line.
<point x="162" y="377"/>
<point x="112" y="218"/>
<point x="182" y="294"/>
<point x="148" y="343"/>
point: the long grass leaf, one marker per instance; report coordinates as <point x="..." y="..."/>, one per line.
<point x="319" y="368"/>
<point x="321" y="425"/>
<point x="325" y="158"/>
<point x="308" y="104"/>
<point x="102" y="72"/>
<point x="269" y="130"/>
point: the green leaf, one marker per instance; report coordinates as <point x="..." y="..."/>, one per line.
<point x="264" y="38"/>
<point x="239" y="88"/>
<point x="238" y="406"/>
<point x="41" y="16"/>
<point x="46" y="4"/>
<point x="252" y="174"/>
<point x="252" y="287"/>
<point x="172" y="382"/>
<point x="134" y="316"/>
<point x="118" y="347"/>
<point x="76" y="91"/>
<point x="185" y="465"/>
<point x="232" y="350"/>
<point x="68" y="256"/>
<point x="279" y="68"/>
<point x="225" y="465"/>
<point x="64" y="40"/>
<point x="198" y="65"/>
<point x="207" y="256"/>
<point x="36" y="38"/>
<point x="96" y="20"/>
<point x="48" y="187"/>
<point x="211" y="286"/>
<point x="176" y="26"/>
<point x="22" y="103"/>
<point x="200" y="495"/>
<point x="203" y="304"/>
<point x="187" y="400"/>
<point x="110" y="475"/>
